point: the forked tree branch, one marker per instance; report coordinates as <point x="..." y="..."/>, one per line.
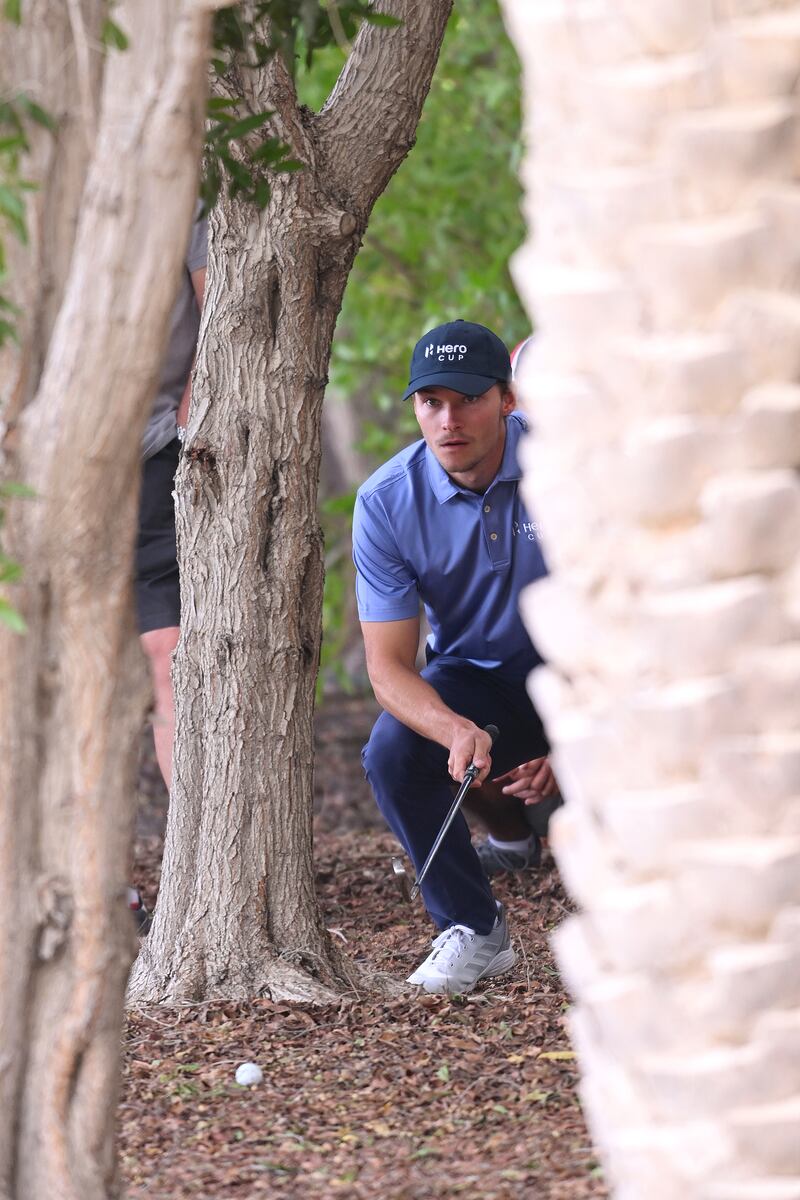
<point x="369" y="123"/>
<point x="259" y="89"/>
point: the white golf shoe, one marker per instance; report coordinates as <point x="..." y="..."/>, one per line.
<point x="460" y="957"/>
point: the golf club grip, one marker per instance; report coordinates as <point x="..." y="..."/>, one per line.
<point x="472" y="770"/>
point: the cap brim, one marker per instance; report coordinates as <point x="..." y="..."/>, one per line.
<point x="468" y="385"/>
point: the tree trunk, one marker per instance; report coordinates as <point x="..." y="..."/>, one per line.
<point x="663" y="278"/>
<point x="72" y="690"/>
<point x="237" y="915"/>
<point x="41" y="59"/>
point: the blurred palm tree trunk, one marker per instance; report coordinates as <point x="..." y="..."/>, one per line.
<point x="663" y="278"/>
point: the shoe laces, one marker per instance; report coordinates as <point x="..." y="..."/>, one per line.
<point x="450" y="942"/>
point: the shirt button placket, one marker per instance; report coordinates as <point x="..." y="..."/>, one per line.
<point x="495" y="542"/>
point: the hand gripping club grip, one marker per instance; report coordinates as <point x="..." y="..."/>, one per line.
<point x="469" y="779"/>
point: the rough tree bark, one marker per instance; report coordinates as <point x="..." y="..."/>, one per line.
<point x="664" y="277"/>
<point x="72" y="690"/>
<point x="236" y="914"/>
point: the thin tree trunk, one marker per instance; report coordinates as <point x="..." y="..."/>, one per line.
<point x="72" y="690"/>
<point x="663" y="279"/>
<point x="236" y="914"/>
<point x="40" y="59"/>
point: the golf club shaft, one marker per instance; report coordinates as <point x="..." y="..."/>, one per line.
<point x="469" y="778"/>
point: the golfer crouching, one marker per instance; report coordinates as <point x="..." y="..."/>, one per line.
<point x="443" y="523"/>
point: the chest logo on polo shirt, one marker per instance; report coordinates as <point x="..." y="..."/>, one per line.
<point x="446" y="353"/>
<point x="532" y="530"/>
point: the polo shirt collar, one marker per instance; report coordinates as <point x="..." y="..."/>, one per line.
<point x="509" y="467"/>
<point x="442" y="485"/>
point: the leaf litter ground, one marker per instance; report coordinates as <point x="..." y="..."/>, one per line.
<point x="372" y="1097"/>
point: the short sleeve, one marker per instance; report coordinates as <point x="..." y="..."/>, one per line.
<point x="386" y="589"/>
<point x="197" y="253"/>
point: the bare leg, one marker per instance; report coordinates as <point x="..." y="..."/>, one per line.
<point x="502" y="815"/>
<point x="159" y="645"/>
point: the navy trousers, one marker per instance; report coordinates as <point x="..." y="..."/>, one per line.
<point x="409" y="778"/>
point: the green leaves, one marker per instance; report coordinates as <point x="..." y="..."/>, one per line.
<point x="440" y="237"/>
<point x="238" y="129"/>
<point x="36" y="113"/>
<point x="298" y="30"/>
<point x="113" y="36"/>
<point x="437" y="247"/>
<point x="12" y="207"/>
<point x="20" y="490"/>
<point x="219" y="104"/>
<point x="8" y="332"/>
<point x="295" y="29"/>
<point x="11" y="618"/>
<point x="382" y="19"/>
<point x="16" y="114"/>
<point x="10" y="571"/>
<point x="244" y="172"/>
<point x="12" y="11"/>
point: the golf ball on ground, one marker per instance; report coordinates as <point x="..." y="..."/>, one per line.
<point x="249" y="1074"/>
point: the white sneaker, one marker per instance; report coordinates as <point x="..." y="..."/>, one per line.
<point x="460" y="957"/>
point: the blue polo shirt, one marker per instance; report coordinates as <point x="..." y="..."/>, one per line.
<point x="417" y="536"/>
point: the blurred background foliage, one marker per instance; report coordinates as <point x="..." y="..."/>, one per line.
<point x="437" y="248"/>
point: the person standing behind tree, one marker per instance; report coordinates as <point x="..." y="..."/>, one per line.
<point x="443" y="523"/>
<point x="158" y="601"/>
<point x="156" y="584"/>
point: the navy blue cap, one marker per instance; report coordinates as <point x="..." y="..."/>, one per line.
<point x="461" y="355"/>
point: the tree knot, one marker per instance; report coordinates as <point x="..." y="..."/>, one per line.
<point x="336" y="224"/>
<point x="55" y="906"/>
<point x="204" y="475"/>
<point x="203" y="457"/>
<point x="347" y="225"/>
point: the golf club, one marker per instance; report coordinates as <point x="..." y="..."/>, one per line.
<point x="469" y="778"/>
<point x="401" y="878"/>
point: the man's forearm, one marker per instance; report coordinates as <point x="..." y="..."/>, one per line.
<point x="406" y="695"/>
